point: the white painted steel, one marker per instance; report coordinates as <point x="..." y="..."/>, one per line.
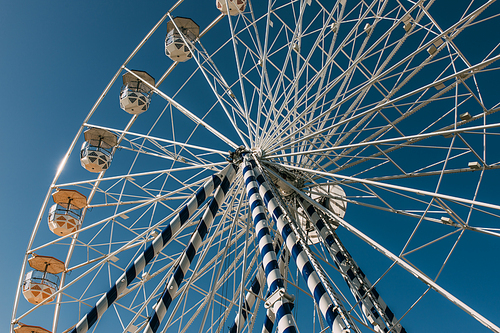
<point x="394" y="114"/>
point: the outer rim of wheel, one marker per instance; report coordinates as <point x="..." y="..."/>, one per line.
<point x="276" y="156"/>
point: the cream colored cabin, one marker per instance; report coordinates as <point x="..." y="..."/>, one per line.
<point x="97" y="150"/>
<point x="65" y="214"/>
<point x="135" y="94"/>
<point x="41" y="283"/>
<point x="181" y="36"/>
<point x="235" y="6"/>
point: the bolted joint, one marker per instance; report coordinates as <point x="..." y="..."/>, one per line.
<point x="278" y="295"/>
<point x="236" y="156"/>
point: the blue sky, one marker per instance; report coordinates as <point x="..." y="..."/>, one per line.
<point x="55" y="60"/>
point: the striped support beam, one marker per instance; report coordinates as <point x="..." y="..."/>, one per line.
<point x="250" y="298"/>
<point x="373" y="306"/>
<point x="256" y="287"/>
<point x="187" y="257"/>
<point x="268" y="325"/>
<point x="151" y="252"/>
<point x="282" y="307"/>
<point x="325" y="303"/>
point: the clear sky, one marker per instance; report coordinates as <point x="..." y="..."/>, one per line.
<point x="55" y="59"/>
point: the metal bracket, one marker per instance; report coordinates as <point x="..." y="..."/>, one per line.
<point x="277" y="295"/>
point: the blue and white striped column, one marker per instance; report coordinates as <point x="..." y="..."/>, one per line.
<point x="326" y="305"/>
<point x="375" y="309"/>
<point x="267" y="326"/>
<point x="250" y="298"/>
<point x="151" y="252"/>
<point x="256" y="287"/>
<point x="282" y="306"/>
<point x="190" y="252"/>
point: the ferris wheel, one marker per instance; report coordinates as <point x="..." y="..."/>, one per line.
<point x="289" y="166"/>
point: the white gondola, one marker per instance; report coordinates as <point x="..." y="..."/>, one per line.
<point x="97" y="150"/>
<point x="65" y="214"/>
<point x="235" y="6"/>
<point x="42" y="282"/>
<point x="180" y="40"/>
<point x="135" y="95"/>
<point x="333" y="198"/>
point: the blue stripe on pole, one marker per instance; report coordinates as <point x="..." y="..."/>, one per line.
<point x="266" y="248"/>
<point x="190" y="252"/>
<point x="268" y="324"/>
<point x="166" y="234"/>
<point x="201" y="196"/>
<point x="283" y="310"/>
<point x="320" y="223"/>
<point x="331" y="315"/>
<point x="271" y="266"/>
<point x="260" y="217"/>
<point x="277" y="212"/>
<point x="184" y="215"/>
<point x="92" y="317"/>
<point x="202" y="228"/>
<point x="154" y="322"/>
<point x="350" y="274"/>
<point x="178" y="276"/>
<point x="130" y="275"/>
<point x="214" y="207"/>
<point x="225" y="185"/>
<point x="252" y="192"/>
<point x="307" y="270"/>
<point x="276" y="284"/>
<point x="167" y="299"/>
<point x="111" y="295"/>
<point x="389" y="314"/>
<point x="267" y="197"/>
<point x="296" y="250"/>
<point x="255" y="288"/>
<point x="244" y="312"/>
<point x="319" y="291"/>
<point x="262" y="232"/>
<point x="149" y="253"/>
<point x="255" y="204"/>
<point x="311" y="210"/>
<point x="285" y="232"/>
<point x="329" y="240"/>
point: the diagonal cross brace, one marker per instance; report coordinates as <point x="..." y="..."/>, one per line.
<point x="374" y="308"/>
<point x="188" y="255"/>
<point x="282" y="307"/>
<point x="150" y="253"/>
<point x="330" y="308"/>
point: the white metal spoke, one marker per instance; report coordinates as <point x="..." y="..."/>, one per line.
<point x="382" y="111"/>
